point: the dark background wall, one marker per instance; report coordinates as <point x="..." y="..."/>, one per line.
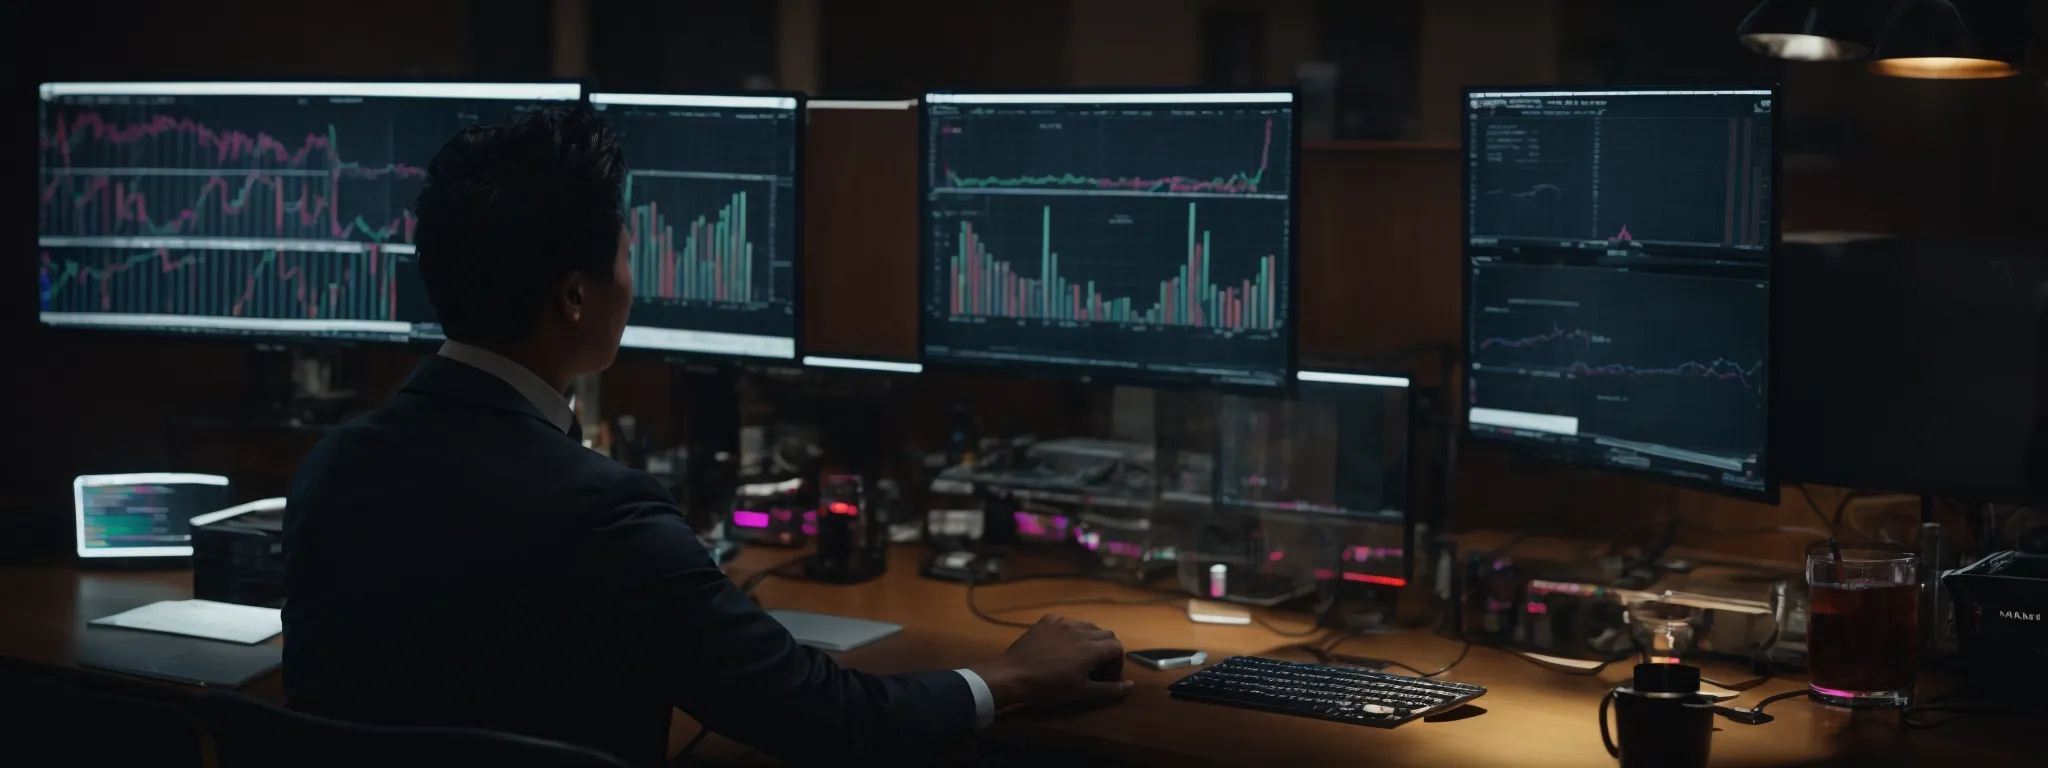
<point x="1918" y="159"/>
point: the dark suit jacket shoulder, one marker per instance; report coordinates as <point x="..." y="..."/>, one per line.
<point x="454" y="559"/>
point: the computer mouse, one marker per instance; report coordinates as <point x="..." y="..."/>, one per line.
<point x="1109" y="671"/>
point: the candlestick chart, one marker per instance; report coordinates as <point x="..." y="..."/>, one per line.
<point x="267" y="284"/>
<point x="236" y="210"/>
<point x="1151" y="241"/>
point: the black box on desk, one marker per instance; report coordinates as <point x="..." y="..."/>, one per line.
<point x="238" y="554"/>
<point x="2002" y="620"/>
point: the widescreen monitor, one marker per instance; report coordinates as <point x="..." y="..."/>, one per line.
<point x="1618" y="251"/>
<point x="711" y="220"/>
<point x="1132" y="236"/>
<point x="246" y="208"/>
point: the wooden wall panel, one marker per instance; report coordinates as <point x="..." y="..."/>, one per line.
<point x="860" y="233"/>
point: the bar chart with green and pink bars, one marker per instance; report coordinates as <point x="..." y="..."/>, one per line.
<point x="713" y="261"/>
<point x="987" y="286"/>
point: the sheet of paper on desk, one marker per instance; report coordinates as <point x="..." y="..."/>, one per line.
<point x="245" y="624"/>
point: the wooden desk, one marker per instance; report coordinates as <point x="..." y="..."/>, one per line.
<point x="1531" y="716"/>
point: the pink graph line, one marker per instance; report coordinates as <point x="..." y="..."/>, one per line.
<point x="228" y="145"/>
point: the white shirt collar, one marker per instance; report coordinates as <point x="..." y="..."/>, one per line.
<point x="550" y="403"/>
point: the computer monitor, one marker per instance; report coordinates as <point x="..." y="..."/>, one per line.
<point x="712" y="200"/>
<point x="143" y="515"/>
<point x="1619" y="247"/>
<point x="1130" y="236"/>
<point x="245" y="208"/>
<point x="1917" y="363"/>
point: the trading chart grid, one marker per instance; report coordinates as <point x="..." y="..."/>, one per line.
<point x="1617" y="296"/>
<point x="1145" y="235"/>
<point x="711" y="220"/>
<point x="242" y="207"/>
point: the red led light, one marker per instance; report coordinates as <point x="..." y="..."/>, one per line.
<point x="841" y="508"/>
<point x="1376" y="579"/>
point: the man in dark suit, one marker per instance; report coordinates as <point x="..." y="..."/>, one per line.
<point x="457" y="557"/>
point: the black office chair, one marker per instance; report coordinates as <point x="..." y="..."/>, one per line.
<point x="252" y="733"/>
<point x="70" y="717"/>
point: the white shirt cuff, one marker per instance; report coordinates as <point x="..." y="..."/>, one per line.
<point x="984" y="701"/>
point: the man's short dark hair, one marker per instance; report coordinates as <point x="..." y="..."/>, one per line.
<point x="509" y="210"/>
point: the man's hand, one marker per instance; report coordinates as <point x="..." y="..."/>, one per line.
<point x="1052" y="662"/>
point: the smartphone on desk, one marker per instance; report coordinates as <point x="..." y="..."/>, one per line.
<point x="1169" y="658"/>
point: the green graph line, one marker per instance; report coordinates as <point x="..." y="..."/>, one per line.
<point x="1235" y="181"/>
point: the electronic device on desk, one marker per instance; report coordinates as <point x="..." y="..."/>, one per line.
<point x="142" y="519"/>
<point x="1308" y="493"/>
<point x="1064" y="234"/>
<point x="1615" y="319"/>
<point x="1097" y="493"/>
<point x="238" y="554"/>
<point x="2002" y="622"/>
<point x="1965" y="316"/>
<point x="1049" y="484"/>
<point x="777" y="512"/>
<point x="853" y="533"/>
<point x="712" y="220"/>
<point x="1573" y="620"/>
<point x="775" y="501"/>
<point x="1163" y="659"/>
<point x="1341" y="694"/>
<point x="321" y="251"/>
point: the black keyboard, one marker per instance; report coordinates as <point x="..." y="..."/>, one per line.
<point x="1328" y="693"/>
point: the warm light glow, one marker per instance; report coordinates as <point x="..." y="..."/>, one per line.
<point x="1942" y="68"/>
<point x="1804" y="47"/>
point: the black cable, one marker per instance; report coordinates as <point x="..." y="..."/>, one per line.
<point x="1833" y="529"/>
<point x="1755" y="715"/>
<point x="1464" y="649"/>
<point x="975" y="609"/>
<point x="1842" y="505"/>
<point x="1328" y="653"/>
<point x="1312" y="628"/>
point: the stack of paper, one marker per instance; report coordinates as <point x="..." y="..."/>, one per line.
<point x="201" y="618"/>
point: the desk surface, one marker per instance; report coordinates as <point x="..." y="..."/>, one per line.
<point x="1531" y="716"/>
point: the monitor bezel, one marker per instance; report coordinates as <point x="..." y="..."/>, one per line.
<point x="1115" y="376"/>
<point x="255" y="336"/>
<point x="135" y="554"/>
<point x="797" y="254"/>
<point x="1774" y="268"/>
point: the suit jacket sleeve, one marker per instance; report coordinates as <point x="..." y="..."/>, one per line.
<point x="735" y="669"/>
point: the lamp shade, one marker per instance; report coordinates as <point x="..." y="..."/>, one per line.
<point x="1805" y="30"/>
<point x="1952" y="40"/>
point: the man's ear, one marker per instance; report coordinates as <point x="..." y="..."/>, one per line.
<point x="572" y="295"/>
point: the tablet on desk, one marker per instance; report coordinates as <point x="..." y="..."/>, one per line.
<point x="833" y="633"/>
<point x="142" y="517"/>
